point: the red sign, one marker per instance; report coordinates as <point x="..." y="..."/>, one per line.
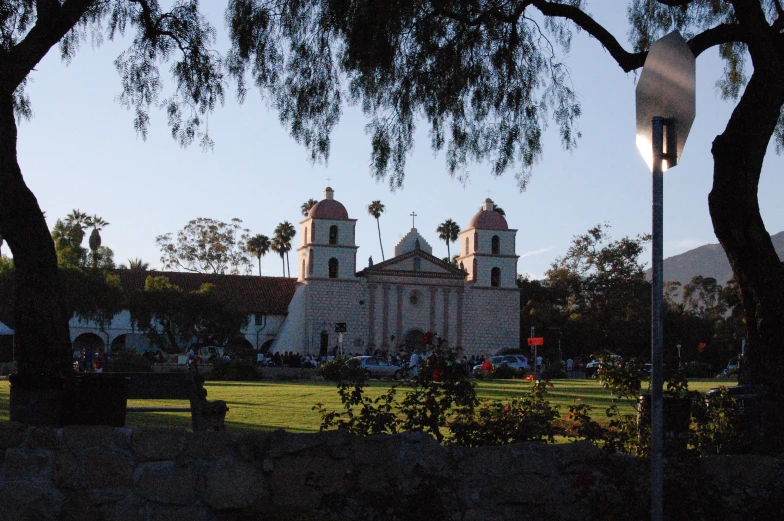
<point x="536" y="341"/>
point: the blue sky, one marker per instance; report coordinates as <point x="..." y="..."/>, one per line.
<point x="80" y="151"/>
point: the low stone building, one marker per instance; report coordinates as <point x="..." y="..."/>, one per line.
<point x="264" y="299"/>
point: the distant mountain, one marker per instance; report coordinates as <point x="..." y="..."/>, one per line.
<point x="708" y="261"/>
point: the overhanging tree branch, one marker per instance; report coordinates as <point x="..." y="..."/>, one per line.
<point x="46" y="32"/>
<point x="724" y="33"/>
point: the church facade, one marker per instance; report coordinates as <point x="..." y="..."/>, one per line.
<point x="474" y="306"/>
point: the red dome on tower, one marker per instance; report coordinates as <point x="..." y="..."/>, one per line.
<point x="328" y="208"/>
<point x="488" y="218"/>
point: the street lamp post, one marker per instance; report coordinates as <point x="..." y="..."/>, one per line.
<point x="665" y="99"/>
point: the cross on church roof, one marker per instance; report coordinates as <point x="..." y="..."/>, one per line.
<point x="488" y="194"/>
<point x="329" y="181"/>
<point x="413" y="217"/>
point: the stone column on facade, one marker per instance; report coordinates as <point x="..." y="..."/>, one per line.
<point x="399" y="333"/>
<point x="385" y="317"/>
<point x="371" y="315"/>
<point x="445" y="334"/>
<point x="459" y="340"/>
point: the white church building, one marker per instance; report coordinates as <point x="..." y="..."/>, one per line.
<point x="390" y="306"/>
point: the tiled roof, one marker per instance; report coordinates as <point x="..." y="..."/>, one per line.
<point x="251" y="294"/>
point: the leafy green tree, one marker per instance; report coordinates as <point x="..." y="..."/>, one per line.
<point x="207" y="246"/>
<point x="703" y="296"/>
<point x="307" y="205"/>
<point x="284" y="233"/>
<point x="376" y="208"/>
<point x="174" y="319"/>
<point x="67" y="242"/>
<point x="258" y="246"/>
<point x="448" y="232"/>
<point x="604" y="292"/>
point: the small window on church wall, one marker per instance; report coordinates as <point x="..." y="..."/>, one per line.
<point x="333" y="268"/>
<point x="310" y="262"/>
<point x="466" y="252"/>
<point x="303" y="268"/>
<point x="495" y="245"/>
<point x="495" y="277"/>
<point x="417" y="264"/>
<point x="414" y="298"/>
<point x="333" y="234"/>
<point x="476" y="240"/>
<point x="313" y="233"/>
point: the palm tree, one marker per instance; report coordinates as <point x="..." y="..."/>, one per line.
<point x="448" y="232"/>
<point x="258" y="246"/>
<point x="307" y="205"/>
<point x="97" y="224"/>
<point x="376" y="208"/>
<point x="500" y="210"/>
<point x="278" y="246"/>
<point x="285" y="232"/>
<point x="138" y="264"/>
<point x="76" y="221"/>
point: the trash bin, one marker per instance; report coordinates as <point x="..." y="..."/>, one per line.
<point x="676" y="421"/>
<point x="95" y="399"/>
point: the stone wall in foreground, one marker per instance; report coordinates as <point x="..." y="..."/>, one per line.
<point x="97" y="473"/>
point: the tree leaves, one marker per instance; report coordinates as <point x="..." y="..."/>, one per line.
<point x="207" y="246"/>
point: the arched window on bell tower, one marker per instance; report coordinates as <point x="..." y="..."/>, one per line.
<point x="333" y="268"/>
<point x="466" y="250"/>
<point x="305" y="235"/>
<point x="310" y="262"/>
<point x="495" y="245"/>
<point x="333" y="234"/>
<point x="495" y="277"/>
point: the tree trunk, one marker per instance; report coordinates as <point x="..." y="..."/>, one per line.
<point x="738" y="155"/>
<point x="379" y="240"/>
<point x="43" y="345"/>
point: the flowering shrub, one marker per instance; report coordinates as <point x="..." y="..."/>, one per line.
<point x="530" y="418"/>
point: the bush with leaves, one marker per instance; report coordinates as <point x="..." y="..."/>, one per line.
<point x="718" y="428"/>
<point x="127" y="361"/>
<point x="529" y="418"/>
<point x="342" y="369"/>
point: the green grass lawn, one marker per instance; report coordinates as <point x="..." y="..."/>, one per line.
<point x="265" y="406"/>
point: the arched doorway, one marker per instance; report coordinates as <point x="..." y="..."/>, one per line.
<point x="86" y="340"/>
<point x="415" y="340"/>
<point x="118" y="344"/>
<point x="265" y="347"/>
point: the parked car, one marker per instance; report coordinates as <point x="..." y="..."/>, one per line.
<point x="514" y="361"/>
<point x="593" y="366"/>
<point x="377" y="367"/>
